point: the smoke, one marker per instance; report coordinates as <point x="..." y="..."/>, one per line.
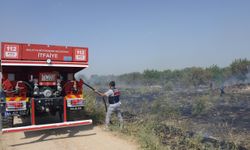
<point x="102" y="81"/>
<point x="238" y="79"/>
<point x="79" y="75"/>
<point x="248" y="77"/>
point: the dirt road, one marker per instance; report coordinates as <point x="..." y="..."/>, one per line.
<point x="78" y="138"/>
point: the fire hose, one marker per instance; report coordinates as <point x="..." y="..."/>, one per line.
<point x="103" y="99"/>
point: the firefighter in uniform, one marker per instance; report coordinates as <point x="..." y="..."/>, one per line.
<point x="113" y="95"/>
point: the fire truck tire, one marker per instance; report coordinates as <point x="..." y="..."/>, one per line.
<point x="7" y="121"/>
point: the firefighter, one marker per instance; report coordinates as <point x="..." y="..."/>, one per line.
<point x="222" y="92"/>
<point x="113" y="95"/>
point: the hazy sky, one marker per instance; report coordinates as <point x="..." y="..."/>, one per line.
<point x="134" y="35"/>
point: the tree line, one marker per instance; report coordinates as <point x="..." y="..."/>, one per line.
<point x="238" y="70"/>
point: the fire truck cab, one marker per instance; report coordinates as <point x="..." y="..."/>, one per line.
<point x="39" y="79"/>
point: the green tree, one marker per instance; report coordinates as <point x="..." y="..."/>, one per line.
<point x="199" y="76"/>
<point x="215" y="72"/>
<point x="152" y="76"/>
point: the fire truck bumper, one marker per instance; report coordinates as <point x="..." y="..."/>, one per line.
<point x="47" y="126"/>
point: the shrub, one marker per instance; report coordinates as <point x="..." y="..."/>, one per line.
<point x="200" y="105"/>
<point x="94" y="108"/>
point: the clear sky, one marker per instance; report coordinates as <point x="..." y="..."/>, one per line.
<point x="133" y="35"/>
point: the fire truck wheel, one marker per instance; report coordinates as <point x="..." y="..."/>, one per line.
<point x="7" y="121"/>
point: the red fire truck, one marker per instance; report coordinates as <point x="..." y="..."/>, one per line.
<point x="39" y="79"/>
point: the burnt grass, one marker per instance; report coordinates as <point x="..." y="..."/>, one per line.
<point x="218" y="122"/>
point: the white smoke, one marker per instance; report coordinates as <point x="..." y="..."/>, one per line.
<point x="79" y="75"/>
<point x="235" y="80"/>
